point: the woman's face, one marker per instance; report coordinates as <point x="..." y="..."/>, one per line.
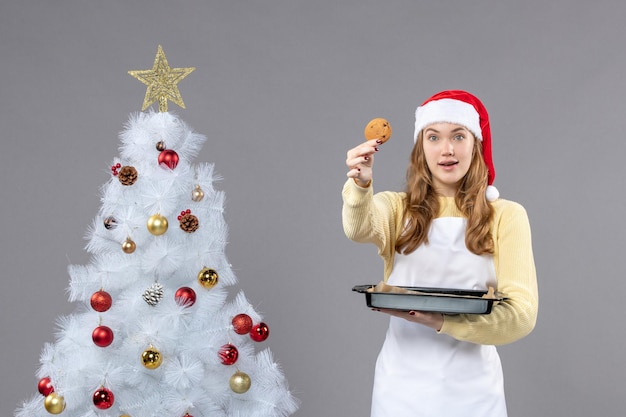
<point x="448" y="150"/>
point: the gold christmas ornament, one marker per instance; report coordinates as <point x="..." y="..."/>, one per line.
<point x="208" y="278"/>
<point x="160" y="146"/>
<point x="151" y="358"/>
<point x="157" y="224"/>
<point x="197" y="194"/>
<point x="54" y="403"/>
<point x="162" y="82"/>
<point x="129" y="246"/>
<point x="240" y="382"/>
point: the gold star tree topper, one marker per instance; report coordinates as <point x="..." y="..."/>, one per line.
<point x="162" y="82"/>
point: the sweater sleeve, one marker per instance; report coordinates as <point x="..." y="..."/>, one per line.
<point x="372" y="218"/>
<point x="515" y="317"/>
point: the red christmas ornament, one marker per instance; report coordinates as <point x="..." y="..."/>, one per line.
<point x="242" y="323"/>
<point x="45" y="386"/>
<point x="101" y="301"/>
<point x="103" y="398"/>
<point x="228" y="354"/>
<point x="185" y="296"/>
<point x="260" y="332"/>
<point x="115" y="167"/>
<point x="183" y="212"/>
<point x="169" y="158"/>
<point x="102" y="336"/>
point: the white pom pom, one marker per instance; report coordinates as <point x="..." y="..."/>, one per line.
<point x="492" y="193"/>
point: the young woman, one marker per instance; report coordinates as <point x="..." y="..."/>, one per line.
<point x="449" y="229"/>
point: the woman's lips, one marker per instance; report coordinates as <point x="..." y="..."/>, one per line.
<point x="448" y="163"/>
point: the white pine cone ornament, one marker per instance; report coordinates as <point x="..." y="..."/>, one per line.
<point x="153" y="294"/>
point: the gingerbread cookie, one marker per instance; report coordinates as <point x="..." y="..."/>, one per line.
<point x="378" y="128"/>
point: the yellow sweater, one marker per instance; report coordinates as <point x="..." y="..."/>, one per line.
<point x="377" y="218"/>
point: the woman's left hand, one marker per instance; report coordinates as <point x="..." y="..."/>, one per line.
<point x="426" y="318"/>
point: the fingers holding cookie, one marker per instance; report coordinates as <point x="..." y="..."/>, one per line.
<point x="360" y="160"/>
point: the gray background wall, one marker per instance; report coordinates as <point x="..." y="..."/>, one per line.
<point x="282" y="89"/>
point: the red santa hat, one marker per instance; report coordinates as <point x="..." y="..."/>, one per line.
<point x="462" y="108"/>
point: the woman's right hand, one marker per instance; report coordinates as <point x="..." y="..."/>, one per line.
<point x="360" y="161"/>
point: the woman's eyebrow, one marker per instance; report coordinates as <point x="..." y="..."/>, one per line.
<point x="457" y="129"/>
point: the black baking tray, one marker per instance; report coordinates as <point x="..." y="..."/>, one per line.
<point x="442" y="300"/>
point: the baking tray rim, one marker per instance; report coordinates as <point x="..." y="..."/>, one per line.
<point x="460" y="301"/>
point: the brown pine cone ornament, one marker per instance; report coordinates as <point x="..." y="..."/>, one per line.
<point x="127" y="175"/>
<point x="188" y="222"/>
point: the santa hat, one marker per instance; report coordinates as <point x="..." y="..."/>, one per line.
<point x="462" y="108"/>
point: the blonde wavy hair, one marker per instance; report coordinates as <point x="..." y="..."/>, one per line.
<point x="422" y="204"/>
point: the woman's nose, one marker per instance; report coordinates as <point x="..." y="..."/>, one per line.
<point x="448" y="148"/>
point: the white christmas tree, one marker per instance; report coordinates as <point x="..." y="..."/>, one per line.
<point x="155" y="332"/>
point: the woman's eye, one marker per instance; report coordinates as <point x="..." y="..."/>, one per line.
<point x="432" y="138"/>
<point x="459" y="137"/>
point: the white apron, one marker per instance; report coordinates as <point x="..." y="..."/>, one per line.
<point x="422" y="373"/>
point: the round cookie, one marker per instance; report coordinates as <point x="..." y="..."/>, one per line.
<point x="378" y="128"/>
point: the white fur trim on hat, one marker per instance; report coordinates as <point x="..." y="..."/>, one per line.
<point x="492" y="193"/>
<point x="448" y="110"/>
